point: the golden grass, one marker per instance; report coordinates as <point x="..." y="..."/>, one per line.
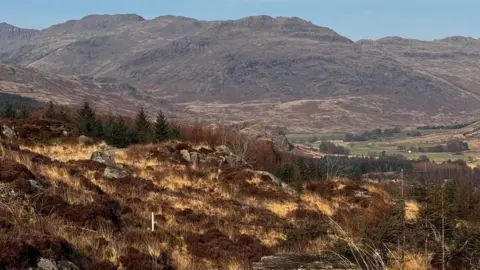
<point x="65" y="153"/>
<point x="412" y="210"/>
<point x="174" y="178"/>
<point x="281" y="209"/>
<point x="316" y="202"/>
<point x="413" y="261"/>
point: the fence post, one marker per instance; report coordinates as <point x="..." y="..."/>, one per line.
<point x="153" y="222"/>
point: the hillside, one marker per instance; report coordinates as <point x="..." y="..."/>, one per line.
<point x="121" y="98"/>
<point x="90" y="206"/>
<point x="73" y="202"/>
<point x="284" y="71"/>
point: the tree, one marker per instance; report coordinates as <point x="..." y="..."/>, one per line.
<point x="8" y="112"/>
<point x="117" y="133"/>
<point x="162" y="131"/>
<point x="86" y="121"/>
<point x="49" y="112"/>
<point x="142" y="127"/>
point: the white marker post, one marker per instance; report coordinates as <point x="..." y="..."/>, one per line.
<point x="153" y="222"/>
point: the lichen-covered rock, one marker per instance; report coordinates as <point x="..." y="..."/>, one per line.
<point x="8" y="132"/>
<point x="46" y="264"/>
<point x="194" y="157"/>
<point x="114" y="172"/>
<point x="103" y="158"/>
<point x="186" y="155"/>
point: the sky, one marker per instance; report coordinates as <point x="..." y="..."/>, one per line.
<point x="355" y="19"/>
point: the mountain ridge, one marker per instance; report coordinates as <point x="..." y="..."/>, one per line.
<point x="260" y="60"/>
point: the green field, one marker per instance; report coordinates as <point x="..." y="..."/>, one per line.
<point x="376" y="148"/>
<point x="390" y="145"/>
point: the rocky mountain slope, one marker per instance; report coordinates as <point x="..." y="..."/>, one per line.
<point x="119" y="97"/>
<point x="280" y="70"/>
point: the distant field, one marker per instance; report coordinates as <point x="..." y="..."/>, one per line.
<point x="376" y="148"/>
<point x="390" y="144"/>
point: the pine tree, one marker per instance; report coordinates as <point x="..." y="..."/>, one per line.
<point x="162" y="131"/>
<point x="142" y="127"/>
<point x="85" y="120"/>
<point x="49" y="112"/>
<point x="8" y="112"/>
<point x="117" y="133"/>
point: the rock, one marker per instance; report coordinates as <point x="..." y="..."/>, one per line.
<point x="284" y="185"/>
<point x="66" y="265"/>
<point x="103" y="158"/>
<point x="34" y="185"/>
<point x="223" y="149"/>
<point x="194" y="158"/>
<point x="85" y="141"/>
<point x="46" y="264"/>
<point x="114" y="172"/>
<point x="65" y="133"/>
<point x="274" y="179"/>
<point x="302" y="261"/>
<point x="186" y="155"/>
<point x="8" y="132"/>
<point x="361" y="194"/>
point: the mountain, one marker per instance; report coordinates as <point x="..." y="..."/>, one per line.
<point x="122" y="98"/>
<point x="12" y="37"/>
<point x="283" y="71"/>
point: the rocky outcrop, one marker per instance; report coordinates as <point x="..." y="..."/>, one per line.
<point x="186" y="155"/>
<point x="8" y="132"/>
<point x="103" y="158"/>
<point x="223" y="149"/>
<point x="114" y="172"/>
<point x="302" y="262"/>
<point x="277" y="181"/>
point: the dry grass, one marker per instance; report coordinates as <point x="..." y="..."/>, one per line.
<point x="197" y="190"/>
<point x="412" y="210"/>
<point x="65" y="153"/>
<point x="316" y="202"/>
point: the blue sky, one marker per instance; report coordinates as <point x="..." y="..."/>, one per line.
<point x="356" y="19"/>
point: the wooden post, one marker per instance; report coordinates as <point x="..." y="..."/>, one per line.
<point x="153" y="222"/>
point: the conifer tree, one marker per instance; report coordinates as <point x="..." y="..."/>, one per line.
<point x="142" y="127"/>
<point x="162" y="131"/>
<point x="49" y="112"/>
<point x="8" y="112"/>
<point x="117" y="133"/>
<point x="86" y="122"/>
